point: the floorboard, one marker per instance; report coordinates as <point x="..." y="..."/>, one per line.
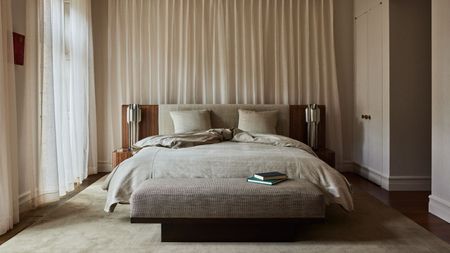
<point x="413" y="204"/>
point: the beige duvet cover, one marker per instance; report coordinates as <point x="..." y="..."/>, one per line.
<point x="232" y="154"/>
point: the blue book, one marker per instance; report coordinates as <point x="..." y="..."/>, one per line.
<point x="266" y="182"/>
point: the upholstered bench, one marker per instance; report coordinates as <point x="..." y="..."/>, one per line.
<point x="189" y="209"/>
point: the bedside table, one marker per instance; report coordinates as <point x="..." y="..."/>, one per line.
<point x="120" y="155"/>
<point x="327" y="155"/>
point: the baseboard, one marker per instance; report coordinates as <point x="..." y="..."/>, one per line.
<point x="394" y="183"/>
<point x="104" y="166"/>
<point x="347" y="166"/>
<point x="439" y="207"/>
<point x="25" y="202"/>
<point x="371" y="175"/>
<point x="25" y="199"/>
<point x="409" y="183"/>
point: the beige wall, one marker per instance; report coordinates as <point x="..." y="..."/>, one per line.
<point x="19" y="26"/>
<point x="343" y="18"/>
<point x="100" y="33"/>
<point x="440" y="193"/>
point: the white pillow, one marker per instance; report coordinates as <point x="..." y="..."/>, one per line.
<point x="258" y="122"/>
<point x="189" y="121"/>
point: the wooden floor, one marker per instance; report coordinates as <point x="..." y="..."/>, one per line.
<point x="412" y="204"/>
<point x="30" y="217"/>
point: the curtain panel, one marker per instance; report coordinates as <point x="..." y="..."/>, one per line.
<point x="9" y="185"/>
<point x="220" y="52"/>
<point x="57" y="114"/>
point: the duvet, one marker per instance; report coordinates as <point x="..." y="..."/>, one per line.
<point x="223" y="153"/>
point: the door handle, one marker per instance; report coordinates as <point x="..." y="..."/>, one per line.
<point x="364" y="116"/>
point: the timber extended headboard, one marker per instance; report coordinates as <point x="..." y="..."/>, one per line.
<point x="155" y="119"/>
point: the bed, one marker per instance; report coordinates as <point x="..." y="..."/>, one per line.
<point x="226" y="159"/>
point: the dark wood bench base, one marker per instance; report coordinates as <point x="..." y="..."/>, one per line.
<point x="227" y="230"/>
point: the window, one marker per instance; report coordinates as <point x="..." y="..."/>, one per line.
<point x="67" y="34"/>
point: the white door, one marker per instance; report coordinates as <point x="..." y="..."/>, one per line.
<point x="360" y="134"/>
<point x="375" y="89"/>
<point x="361" y="6"/>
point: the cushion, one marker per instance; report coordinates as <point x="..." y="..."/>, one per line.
<point x="264" y="122"/>
<point x="225" y="198"/>
<point x="223" y="115"/>
<point x="188" y="121"/>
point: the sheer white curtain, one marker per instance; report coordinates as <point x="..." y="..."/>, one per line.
<point x="60" y="62"/>
<point x="83" y="84"/>
<point x="221" y="51"/>
<point x="9" y="208"/>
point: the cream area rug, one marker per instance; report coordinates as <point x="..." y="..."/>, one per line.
<point x="80" y="225"/>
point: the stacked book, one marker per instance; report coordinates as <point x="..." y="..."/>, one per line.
<point x="268" y="178"/>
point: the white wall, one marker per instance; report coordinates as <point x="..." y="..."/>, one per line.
<point x="440" y="193"/>
<point x="343" y="30"/>
<point x="406" y="100"/>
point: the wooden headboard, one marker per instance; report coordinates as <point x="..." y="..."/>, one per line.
<point x="297" y="124"/>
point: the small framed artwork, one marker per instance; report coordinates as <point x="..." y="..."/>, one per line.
<point x="19" y="48"/>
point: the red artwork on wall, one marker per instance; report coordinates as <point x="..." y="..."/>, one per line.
<point x="19" y="48"/>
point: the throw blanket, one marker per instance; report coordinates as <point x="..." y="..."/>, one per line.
<point x="223" y="153"/>
<point x="212" y="136"/>
<point x="185" y="140"/>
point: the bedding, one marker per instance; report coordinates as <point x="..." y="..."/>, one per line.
<point x="264" y="122"/>
<point x="193" y="120"/>
<point x="225" y="153"/>
<point x="183" y="140"/>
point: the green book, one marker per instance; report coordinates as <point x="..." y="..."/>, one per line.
<point x="270" y="175"/>
<point x="253" y="179"/>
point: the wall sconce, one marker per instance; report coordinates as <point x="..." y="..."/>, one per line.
<point x="133" y="119"/>
<point x="312" y="113"/>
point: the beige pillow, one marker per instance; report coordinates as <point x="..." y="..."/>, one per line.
<point x="258" y="122"/>
<point x="188" y="121"/>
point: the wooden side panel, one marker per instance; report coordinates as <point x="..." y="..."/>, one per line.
<point x="297" y="124"/>
<point x="322" y="126"/>
<point x="119" y="156"/>
<point x="327" y="156"/>
<point x="148" y="125"/>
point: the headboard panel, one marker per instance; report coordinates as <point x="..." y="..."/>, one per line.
<point x="156" y="119"/>
<point x="222" y="115"/>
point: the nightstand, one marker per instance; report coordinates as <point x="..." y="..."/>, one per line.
<point x="120" y="155"/>
<point x="326" y="155"/>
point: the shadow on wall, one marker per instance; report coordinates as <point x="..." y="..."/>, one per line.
<point x="359" y="137"/>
